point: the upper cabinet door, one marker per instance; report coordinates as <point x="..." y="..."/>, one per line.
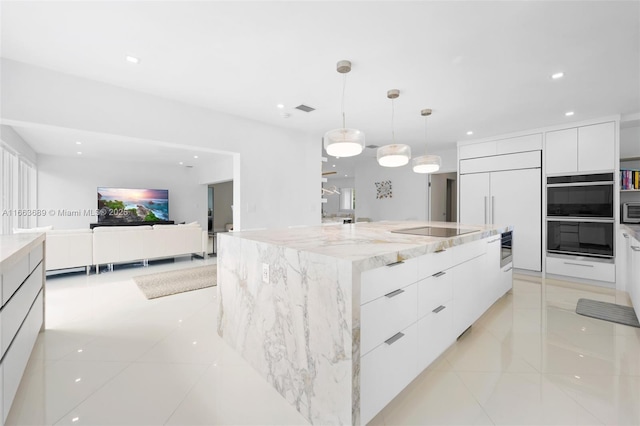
<point x="474" y="199"/>
<point x="596" y="147"/>
<point x="561" y="151"/>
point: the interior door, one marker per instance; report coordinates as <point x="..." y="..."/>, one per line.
<point x="516" y="197"/>
<point x="474" y="199"/>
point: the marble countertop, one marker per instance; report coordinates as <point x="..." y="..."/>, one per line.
<point x="14" y="247"/>
<point x="634" y="230"/>
<point x="368" y="242"/>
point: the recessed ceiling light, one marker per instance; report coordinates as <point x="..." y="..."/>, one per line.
<point x="469" y="133"/>
<point x="557" y="75"/>
<point x="195" y="156"/>
<point x="577" y="377"/>
<point x="333" y="165"/>
<point x="79" y="152"/>
<point x="181" y="163"/>
<point x="78" y="143"/>
<point x="132" y="59"/>
<point x="75" y="419"/>
<point x="78" y="379"/>
<point x="346" y="176"/>
<point x="280" y="106"/>
<point x="569" y="113"/>
<point x="337" y="158"/>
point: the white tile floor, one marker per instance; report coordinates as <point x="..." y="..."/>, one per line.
<point x="109" y="356"/>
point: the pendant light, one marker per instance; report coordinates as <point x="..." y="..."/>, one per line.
<point x="426" y="163"/>
<point x="344" y="142"/>
<point x="393" y="155"/>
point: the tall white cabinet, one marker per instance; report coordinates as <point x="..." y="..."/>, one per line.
<point x="506" y="189"/>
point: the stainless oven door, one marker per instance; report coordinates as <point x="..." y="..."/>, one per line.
<point x="506" y="249"/>
<point x="583" y="237"/>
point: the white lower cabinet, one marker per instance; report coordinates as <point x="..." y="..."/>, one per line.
<point x="580" y="268"/>
<point x="634" y="280"/>
<point x="386" y="370"/>
<point x="406" y="323"/>
<point x="435" y="334"/>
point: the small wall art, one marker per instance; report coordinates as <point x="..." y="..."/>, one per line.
<point x="383" y="189"/>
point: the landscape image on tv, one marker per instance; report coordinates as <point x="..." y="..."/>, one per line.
<point x="132" y="205"/>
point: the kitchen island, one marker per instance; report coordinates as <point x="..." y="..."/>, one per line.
<point x="339" y="319"/>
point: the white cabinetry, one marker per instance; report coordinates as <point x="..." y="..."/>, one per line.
<point x="581" y="149"/>
<point x="22" y="314"/>
<point x="507" y="197"/>
<point x="561" y="151"/>
<point x="633" y="285"/>
<point x="412" y="311"/>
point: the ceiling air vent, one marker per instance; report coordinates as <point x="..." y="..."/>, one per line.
<point x="305" y="108"/>
<point x="373" y="146"/>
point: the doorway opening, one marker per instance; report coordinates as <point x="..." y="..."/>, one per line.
<point x="443" y="197"/>
<point x="219" y="212"/>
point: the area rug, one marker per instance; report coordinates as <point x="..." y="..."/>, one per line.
<point x="608" y="312"/>
<point x="173" y="282"/>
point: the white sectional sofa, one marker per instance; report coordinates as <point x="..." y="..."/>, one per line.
<point x="69" y="248"/>
<point x="73" y="248"/>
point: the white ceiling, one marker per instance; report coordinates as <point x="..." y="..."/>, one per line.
<point x="481" y="66"/>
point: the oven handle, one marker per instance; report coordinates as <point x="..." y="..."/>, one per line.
<point x="579" y="219"/>
<point x="599" y="183"/>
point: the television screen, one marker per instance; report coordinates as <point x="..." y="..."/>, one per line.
<point x="132" y="205"/>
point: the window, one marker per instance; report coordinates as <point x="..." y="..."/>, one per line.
<point x="347" y="199"/>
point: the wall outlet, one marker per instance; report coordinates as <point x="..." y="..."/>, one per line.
<point x="265" y="273"/>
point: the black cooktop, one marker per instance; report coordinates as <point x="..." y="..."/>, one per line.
<point x="434" y="231"/>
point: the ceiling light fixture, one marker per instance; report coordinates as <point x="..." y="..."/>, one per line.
<point x="426" y="163"/>
<point x="557" y="75"/>
<point x="280" y="106"/>
<point x="344" y="142"/>
<point x="79" y="152"/>
<point x="78" y="143"/>
<point x="195" y="156"/>
<point x="132" y="59"/>
<point x="393" y="155"/>
<point x="569" y="113"/>
<point x="469" y="133"/>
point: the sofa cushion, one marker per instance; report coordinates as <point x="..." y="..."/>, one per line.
<point x="101" y="229"/>
<point x="69" y="231"/>
<point x="32" y="230"/>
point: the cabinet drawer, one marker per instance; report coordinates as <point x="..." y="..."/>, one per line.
<point x="386" y="370"/>
<point x="15" y="311"/>
<point x="435" y="335"/>
<point x="35" y="256"/>
<point x="581" y="269"/>
<point x="434" y="291"/>
<point x="12" y="278"/>
<point x="16" y="358"/>
<point x="383" y="317"/>
<point x="380" y="281"/>
<point x="468" y="251"/>
<point x="431" y="263"/>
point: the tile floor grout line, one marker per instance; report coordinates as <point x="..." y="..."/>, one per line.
<point x="570" y="397"/>
<point x="188" y="392"/>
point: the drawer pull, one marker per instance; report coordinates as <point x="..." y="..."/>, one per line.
<point x="635" y="248"/>
<point x="440" y="251"/>
<point x="394" y="293"/>
<point x="438" y="309"/>
<point x="439" y="274"/>
<point x="578" y="264"/>
<point x="625" y="235"/>
<point x="391" y="340"/>
<point x="494" y="241"/>
<point x="399" y="262"/>
<point x="507" y="270"/>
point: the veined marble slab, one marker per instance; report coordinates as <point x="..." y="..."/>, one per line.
<point x="301" y="328"/>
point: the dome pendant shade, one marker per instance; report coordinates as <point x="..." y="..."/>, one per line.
<point x="394" y="155"/>
<point x="344" y="142"/>
<point x="426" y="164"/>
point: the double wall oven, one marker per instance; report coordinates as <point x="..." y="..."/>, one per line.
<point x="580" y="219"/>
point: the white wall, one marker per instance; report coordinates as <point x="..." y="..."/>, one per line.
<point x="332" y="206"/>
<point x="16" y="144"/>
<point x="276" y="175"/>
<point x="409" y="201"/>
<point x="71" y="184"/>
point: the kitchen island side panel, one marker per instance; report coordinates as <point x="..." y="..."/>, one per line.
<point x="296" y="329"/>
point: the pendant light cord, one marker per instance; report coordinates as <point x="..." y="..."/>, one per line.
<point x="344" y="88"/>
<point x="393" y="128"/>
<point x="425" y="136"/>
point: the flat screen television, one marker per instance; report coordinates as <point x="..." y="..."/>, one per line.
<point x="125" y="205"/>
